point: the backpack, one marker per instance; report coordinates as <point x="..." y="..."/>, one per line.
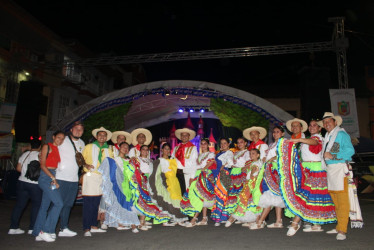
<point x="33" y="170"/>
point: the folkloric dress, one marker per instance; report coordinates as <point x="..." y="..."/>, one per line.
<point x="304" y="183"/>
<point x="267" y="184"/>
<point x="117" y="194"/>
<point x="222" y="185"/>
<point x="138" y="172"/>
<point x="201" y="191"/>
<point x="247" y="210"/>
<point x="166" y="189"/>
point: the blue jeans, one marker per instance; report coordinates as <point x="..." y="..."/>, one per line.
<point x="26" y="191"/>
<point x="68" y="192"/>
<point x="48" y="217"/>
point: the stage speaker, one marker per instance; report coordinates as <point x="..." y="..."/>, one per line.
<point x="29" y="107"/>
<point x="315" y="98"/>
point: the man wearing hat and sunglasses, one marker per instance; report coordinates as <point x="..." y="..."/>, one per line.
<point x="337" y="152"/>
<point x="186" y="155"/>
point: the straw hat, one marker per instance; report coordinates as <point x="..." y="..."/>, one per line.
<point x="337" y="118"/>
<point x="125" y="134"/>
<point x="247" y="131"/>
<point x="178" y="133"/>
<point x="96" y="130"/>
<point x="144" y="131"/>
<point x="303" y="123"/>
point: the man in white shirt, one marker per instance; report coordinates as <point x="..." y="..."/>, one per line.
<point x="186" y="155"/>
<point x="67" y="174"/>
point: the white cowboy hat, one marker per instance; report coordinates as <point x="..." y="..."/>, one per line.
<point x="247" y="131"/>
<point x="108" y="133"/>
<point x="178" y="133"/>
<point x="144" y="131"/>
<point x="125" y="134"/>
<point x="304" y="125"/>
<point x="337" y="118"/>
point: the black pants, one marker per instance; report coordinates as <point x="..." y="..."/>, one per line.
<point x="182" y="183"/>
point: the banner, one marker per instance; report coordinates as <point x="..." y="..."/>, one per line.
<point x="6" y="143"/>
<point x="343" y="103"/>
<point x="7" y="112"/>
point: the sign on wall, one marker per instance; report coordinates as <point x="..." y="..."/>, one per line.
<point x="343" y="103"/>
<point x="7" y="112"/>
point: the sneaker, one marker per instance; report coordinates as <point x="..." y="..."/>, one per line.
<point x="53" y="236"/>
<point x="104" y="227"/>
<point x="333" y="231"/>
<point x="66" y="232"/>
<point x="44" y="237"/>
<point x="30" y="231"/>
<point x="87" y="234"/>
<point x="97" y="230"/>
<point x="16" y="231"/>
<point x="217" y="224"/>
<point x="341" y="236"/>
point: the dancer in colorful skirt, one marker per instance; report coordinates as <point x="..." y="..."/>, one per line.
<point x="224" y="160"/>
<point x="138" y="171"/>
<point x="256" y="135"/>
<point x="247" y="211"/>
<point x="304" y="182"/>
<point x="120" y="212"/>
<point x="165" y="186"/>
<point x="200" y="195"/>
<point x="268" y="184"/>
<point x="238" y="176"/>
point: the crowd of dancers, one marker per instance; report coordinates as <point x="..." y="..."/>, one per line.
<point x="306" y="179"/>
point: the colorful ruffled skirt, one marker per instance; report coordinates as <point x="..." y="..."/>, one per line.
<point x="304" y="187"/>
<point x="142" y="195"/>
<point x="117" y="197"/>
<point x="228" y="186"/>
<point x="200" y="193"/>
<point x="167" y="192"/>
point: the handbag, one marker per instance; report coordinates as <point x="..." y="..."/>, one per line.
<point x="78" y="156"/>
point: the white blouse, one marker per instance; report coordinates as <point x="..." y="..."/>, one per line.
<point x="146" y="165"/>
<point x="240" y="158"/>
<point x="307" y="155"/>
<point x="271" y="152"/>
<point x="257" y="163"/>
<point x="165" y="164"/>
<point x="227" y="159"/>
<point x="203" y="159"/>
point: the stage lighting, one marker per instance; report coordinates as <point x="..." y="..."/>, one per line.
<point x="191" y="110"/>
<point x="202" y="110"/>
<point x="180" y="110"/>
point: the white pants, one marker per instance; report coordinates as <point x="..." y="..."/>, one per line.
<point x="187" y="177"/>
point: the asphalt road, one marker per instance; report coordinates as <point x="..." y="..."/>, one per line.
<point x="198" y="237"/>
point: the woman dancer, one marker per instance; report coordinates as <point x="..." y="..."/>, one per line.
<point x="138" y="171"/>
<point x="304" y="185"/>
<point x="200" y="195"/>
<point x="247" y="211"/>
<point x="165" y="186"/>
<point x="224" y="160"/>
<point x="268" y="181"/>
<point x="45" y="225"/>
<point x="117" y="194"/>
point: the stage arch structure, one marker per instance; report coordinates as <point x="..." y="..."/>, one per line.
<point x="156" y="102"/>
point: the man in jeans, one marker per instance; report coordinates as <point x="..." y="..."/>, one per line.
<point x="67" y="175"/>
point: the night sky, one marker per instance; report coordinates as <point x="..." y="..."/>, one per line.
<point x="140" y="27"/>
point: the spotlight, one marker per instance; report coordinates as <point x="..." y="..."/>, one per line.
<point x="167" y="92"/>
<point x="202" y="110"/>
<point x="180" y="110"/>
<point x="191" y="110"/>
